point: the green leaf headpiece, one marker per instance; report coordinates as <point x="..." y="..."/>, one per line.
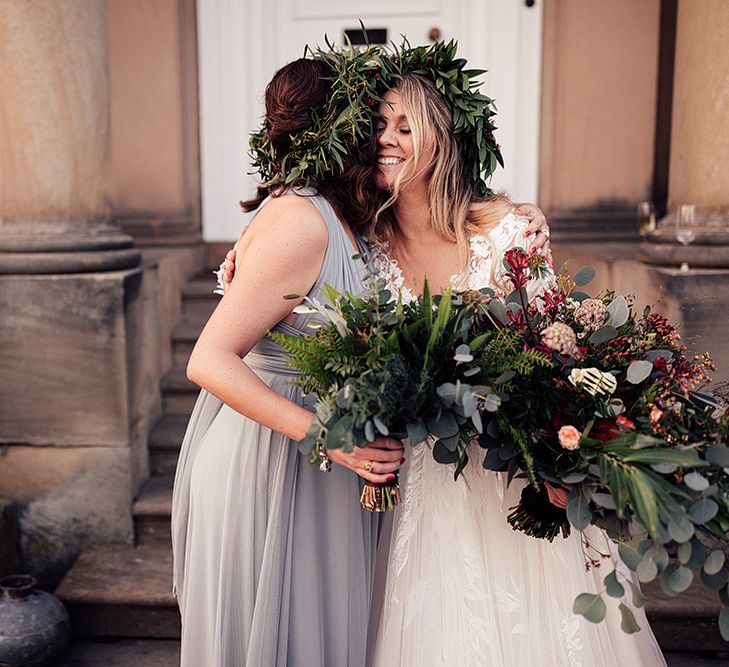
<point x="359" y="79"/>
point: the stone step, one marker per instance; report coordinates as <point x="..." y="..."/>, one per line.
<point x="184" y="336"/>
<point x="178" y="393"/>
<point x="151" y="511"/>
<point x="687" y="622"/>
<point x="201" y="288"/>
<point x="164" y="444"/>
<point x="122" y="592"/>
<point x="121" y="653"/>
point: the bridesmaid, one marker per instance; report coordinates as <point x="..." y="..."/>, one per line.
<point x="274" y="561"/>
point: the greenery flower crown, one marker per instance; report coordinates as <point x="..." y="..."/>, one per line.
<point x="359" y="79"/>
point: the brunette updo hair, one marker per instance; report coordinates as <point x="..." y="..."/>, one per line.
<point x="294" y="91"/>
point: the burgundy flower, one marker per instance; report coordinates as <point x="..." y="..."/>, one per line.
<point x="517" y="262"/>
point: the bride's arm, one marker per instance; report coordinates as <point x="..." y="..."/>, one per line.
<point x="283" y="249"/>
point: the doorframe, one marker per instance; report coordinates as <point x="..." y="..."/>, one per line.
<point x="233" y="49"/>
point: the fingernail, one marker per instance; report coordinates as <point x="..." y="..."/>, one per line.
<point x="402" y="460"/>
<point x="527" y="233"/>
<point x="390" y="478"/>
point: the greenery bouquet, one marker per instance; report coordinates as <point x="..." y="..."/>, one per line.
<point x="597" y="408"/>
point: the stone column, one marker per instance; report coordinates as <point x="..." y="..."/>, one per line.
<point x="78" y="333"/>
<point x="699" y="169"/>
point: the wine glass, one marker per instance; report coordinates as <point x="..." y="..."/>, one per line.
<point x="685" y="228"/>
<point x="646" y="216"/>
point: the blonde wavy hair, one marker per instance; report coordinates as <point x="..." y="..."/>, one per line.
<point x="456" y="213"/>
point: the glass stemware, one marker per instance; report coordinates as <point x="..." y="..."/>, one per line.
<point x="685" y="228"/>
<point x="646" y="216"/>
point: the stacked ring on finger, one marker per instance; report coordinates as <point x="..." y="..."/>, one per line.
<point x="543" y="231"/>
<point x="369" y="465"/>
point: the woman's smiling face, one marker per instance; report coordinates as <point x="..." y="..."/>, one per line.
<point x="395" y="141"/>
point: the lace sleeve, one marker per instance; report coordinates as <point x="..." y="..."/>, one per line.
<point x="510" y="234"/>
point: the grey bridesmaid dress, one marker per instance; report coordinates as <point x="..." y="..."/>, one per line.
<point x="273" y="560"/>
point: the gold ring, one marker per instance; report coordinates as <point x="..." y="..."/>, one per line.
<point x="369" y="465"/>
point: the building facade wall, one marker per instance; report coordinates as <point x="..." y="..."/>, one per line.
<point x="600" y="62"/>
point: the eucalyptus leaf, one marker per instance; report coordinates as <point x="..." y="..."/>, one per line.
<point x="683" y="553"/>
<point x="508" y="375"/>
<point x="612" y="586"/>
<point x="578" y="513"/>
<point x="463" y="354"/>
<point x="718" y="455"/>
<point x="638" y="597"/>
<point x="380" y="425"/>
<point x="441" y="453"/>
<point x="638" y="371"/>
<point x="714" y="562"/>
<point x="369" y="430"/>
<point x="660" y="558"/>
<point x="629" y="553"/>
<point x="665" y="581"/>
<point x="680" y="578"/>
<point x="628" y="623"/>
<point x="574" y="478"/>
<point x="696" y="481"/>
<point x="591" y="606"/>
<point x="724" y="624"/>
<point x="417" y="432"/>
<point x="664" y="468"/>
<point x="497" y="309"/>
<point x="681" y="529"/>
<point x="451" y="443"/>
<point x="584" y="276"/>
<point x="492" y="460"/>
<point x="604" y="500"/>
<point x="618" y="311"/>
<point x="698" y="553"/>
<point x="714" y="581"/>
<point x="703" y="510"/>
<point x="492" y="403"/>
<point x="443" y="425"/>
<point x="603" y="335"/>
<point x="647" y="570"/>
<point x="476" y="419"/>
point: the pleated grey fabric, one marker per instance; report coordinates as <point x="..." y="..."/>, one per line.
<point x="273" y="560"/>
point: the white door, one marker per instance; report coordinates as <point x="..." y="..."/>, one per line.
<point x="241" y="43"/>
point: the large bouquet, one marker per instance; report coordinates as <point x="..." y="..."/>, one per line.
<point x="597" y="408"/>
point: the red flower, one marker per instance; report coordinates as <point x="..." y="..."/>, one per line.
<point x="624" y="422"/>
<point x="517" y="262"/>
<point x="604" y="430"/>
<point x="660" y="365"/>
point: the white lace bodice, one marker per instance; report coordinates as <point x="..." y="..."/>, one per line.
<point x="484" y="250"/>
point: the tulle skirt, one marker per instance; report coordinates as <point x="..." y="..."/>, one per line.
<point x="463" y="588"/>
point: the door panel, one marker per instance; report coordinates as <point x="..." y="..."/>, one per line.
<point x="241" y="44"/>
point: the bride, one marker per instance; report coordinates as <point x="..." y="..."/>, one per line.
<point x="464" y="588"/>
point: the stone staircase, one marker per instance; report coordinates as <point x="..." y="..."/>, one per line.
<point x="127" y="592"/>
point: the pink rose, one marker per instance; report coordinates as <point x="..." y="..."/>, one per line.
<point x="569" y="437"/>
<point x="655" y="415"/>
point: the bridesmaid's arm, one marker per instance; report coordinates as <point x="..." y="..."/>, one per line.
<point x="283" y="249"/>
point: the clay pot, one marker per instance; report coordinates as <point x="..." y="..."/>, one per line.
<point x="34" y="625"/>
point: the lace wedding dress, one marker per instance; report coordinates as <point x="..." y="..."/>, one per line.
<point x="463" y="588"/>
